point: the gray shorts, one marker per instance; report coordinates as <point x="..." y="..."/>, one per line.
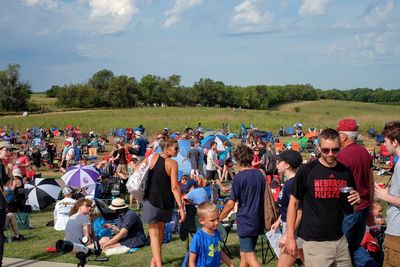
<point x="152" y="214"/>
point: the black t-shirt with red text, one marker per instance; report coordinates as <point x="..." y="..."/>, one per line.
<point x="317" y="186"/>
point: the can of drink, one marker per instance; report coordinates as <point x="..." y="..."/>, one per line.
<point x="344" y="194"/>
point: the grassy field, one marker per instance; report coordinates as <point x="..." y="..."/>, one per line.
<point x="42" y="236"/>
<point x="320" y="114"/>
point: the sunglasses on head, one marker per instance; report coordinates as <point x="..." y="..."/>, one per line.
<point x="327" y="150"/>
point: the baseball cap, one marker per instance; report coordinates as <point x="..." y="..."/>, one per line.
<point x="188" y="185"/>
<point x="347" y="125"/>
<point x="66" y="191"/>
<point x="291" y="157"/>
<point x="17" y="172"/>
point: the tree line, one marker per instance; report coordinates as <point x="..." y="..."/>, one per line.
<point x="104" y="89"/>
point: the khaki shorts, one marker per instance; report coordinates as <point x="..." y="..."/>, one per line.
<point x="392" y="251"/>
<point x="327" y="253"/>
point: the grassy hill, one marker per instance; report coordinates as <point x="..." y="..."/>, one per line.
<point x="320" y="114"/>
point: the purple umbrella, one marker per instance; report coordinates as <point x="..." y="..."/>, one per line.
<point x="80" y="176"/>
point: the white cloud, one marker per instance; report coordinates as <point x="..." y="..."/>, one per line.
<point x="251" y="15"/>
<point x="112" y="15"/>
<point x="313" y="7"/>
<point x="175" y="13"/>
<point x="376" y="13"/>
<point x="47" y="4"/>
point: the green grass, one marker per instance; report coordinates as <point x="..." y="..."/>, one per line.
<point x="41" y="237"/>
<point x="320" y="114"/>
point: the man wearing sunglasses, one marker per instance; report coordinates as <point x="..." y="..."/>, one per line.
<point x="359" y="161"/>
<point x="317" y="184"/>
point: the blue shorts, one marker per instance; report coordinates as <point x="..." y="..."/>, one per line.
<point x="248" y="244"/>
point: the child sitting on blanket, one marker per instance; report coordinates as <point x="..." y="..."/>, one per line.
<point x="205" y="248"/>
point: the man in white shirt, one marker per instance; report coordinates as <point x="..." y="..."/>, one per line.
<point x="212" y="166"/>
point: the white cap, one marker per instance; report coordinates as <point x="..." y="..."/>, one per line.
<point x="66" y="191"/>
<point x="17" y="172"/>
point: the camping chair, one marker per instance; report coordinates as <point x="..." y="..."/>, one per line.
<point x="371" y="132"/>
<point x="290" y="131"/>
<point x="92" y="153"/>
<point x="190" y="224"/>
<point x="379" y="139"/>
<point x="267" y="250"/>
<point x="224" y="230"/>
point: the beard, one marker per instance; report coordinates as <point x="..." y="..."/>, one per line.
<point x="328" y="158"/>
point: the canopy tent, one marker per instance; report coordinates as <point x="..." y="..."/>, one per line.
<point x="184" y="147"/>
<point x="219" y="139"/>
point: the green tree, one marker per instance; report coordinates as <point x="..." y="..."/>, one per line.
<point x="14" y="93"/>
<point x="53" y="91"/>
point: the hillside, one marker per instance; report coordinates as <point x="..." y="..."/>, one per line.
<point x="320" y="114"/>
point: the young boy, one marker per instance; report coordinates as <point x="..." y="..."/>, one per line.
<point x="205" y="249"/>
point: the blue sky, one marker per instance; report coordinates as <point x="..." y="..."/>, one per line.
<point x="328" y="43"/>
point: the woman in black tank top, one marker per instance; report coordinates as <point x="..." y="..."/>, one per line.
<point x="161" y="191"/>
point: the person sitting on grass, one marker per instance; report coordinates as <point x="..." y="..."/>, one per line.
<point x="205" y="248"/>
<point x="78" y="227"/>
<point x="129" y="229"/>
<point x="63" y="208"/>
<point x="11" y="221"/>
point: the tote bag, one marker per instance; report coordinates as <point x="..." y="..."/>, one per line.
<point x="137" y="182"/>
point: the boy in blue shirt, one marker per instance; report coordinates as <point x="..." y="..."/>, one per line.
<point x="205" y="248"/>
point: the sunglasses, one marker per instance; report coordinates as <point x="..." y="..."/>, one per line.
<point x="327" y="150"/>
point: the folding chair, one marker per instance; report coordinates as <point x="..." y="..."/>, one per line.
<point x="190" y="225"/>
<point x="267" y="250"/>
<point x="224" y="230"/>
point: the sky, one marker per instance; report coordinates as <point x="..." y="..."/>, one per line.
<point x="329" y="44"/>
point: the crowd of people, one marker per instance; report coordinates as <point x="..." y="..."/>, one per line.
<point x="327" y="206"/>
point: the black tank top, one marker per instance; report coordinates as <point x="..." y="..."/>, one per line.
<point x="158" y="191"/>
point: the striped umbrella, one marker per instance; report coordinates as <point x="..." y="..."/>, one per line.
<point x="41" y="193"/>
<point x="80" y="176"/>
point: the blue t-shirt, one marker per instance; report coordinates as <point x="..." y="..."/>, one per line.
<point x="284" y="197"/>
<point x="207" y="248"/>
<point x="248" y="188"/>
<point x="197" y="196"/>
<point x="142" y="143"/>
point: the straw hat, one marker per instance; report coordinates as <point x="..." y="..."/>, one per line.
<point x="118" y="204"/>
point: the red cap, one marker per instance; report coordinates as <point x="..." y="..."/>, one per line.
<point x="347" y="125"/>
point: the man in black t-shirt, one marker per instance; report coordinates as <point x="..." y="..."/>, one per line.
<point x="317" y="184"/>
